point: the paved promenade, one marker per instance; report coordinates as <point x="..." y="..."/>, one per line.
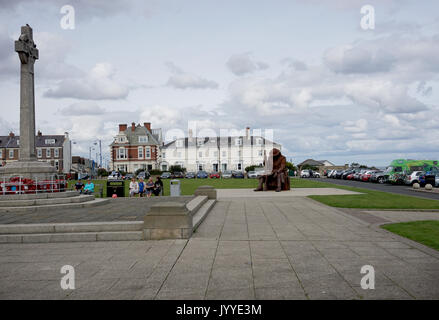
<point x="247" y="248"/>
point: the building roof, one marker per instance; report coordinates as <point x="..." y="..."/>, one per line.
<point x="311" y="162"/>
<point x="218" y="141"/>
<point x="154" y="136"/>
<point x="326" y="161"/>
<point x="11" y="141"/>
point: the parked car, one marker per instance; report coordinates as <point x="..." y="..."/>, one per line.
<point x="345" y="174"/>
<point x="314" y="174"/>
<point x="378" y="176"/>
<point x="214" y="175"/>
<point x="128" y="176"/>
<point x="114" y="175"/>
<point x="178" y="175"/>
<point x="143" y="175"/>
<point x="166" y="175"/>
<point x="190" y="175"/>
<point x="202" y="174"/>
<point x="332" y="173"/>
<point x="305" y="174"/>
<point x="366" y="176"/>
<point x="238" y="174"/>
<point x="413" y="177"/>
<point x="252" y="175"/>
<point x="226" y="174"/>
<point x="338" y="174"/>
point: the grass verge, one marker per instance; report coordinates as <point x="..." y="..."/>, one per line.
<point x="425" y="232"/>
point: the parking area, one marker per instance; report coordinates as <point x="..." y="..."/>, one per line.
<point x="399" y="189"/>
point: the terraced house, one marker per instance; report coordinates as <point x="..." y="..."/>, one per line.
<point x="136" y="147"/>
<point x="55" y="149"/>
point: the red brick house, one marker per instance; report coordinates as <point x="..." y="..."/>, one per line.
<point x="136" y="147"/>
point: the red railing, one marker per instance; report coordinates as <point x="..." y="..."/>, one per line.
<point x="20" y="185"/>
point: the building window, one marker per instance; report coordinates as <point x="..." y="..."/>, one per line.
<point x="258" y="141"/>
<point x="224" y="153"/>
<point x="239" y="166"/>
<point x="49" y="141"/>
<point x="39" y="153"/>
<point x="200" y="154"/>
<point x="199" y="142"/>
<point x="57" y="165"/>
<point x="56" y="153"/>
<point x="238" y="141"/>
<point x="140" y="152"/>
<point x="260" y="153"/>
<point x="215" y="153"/>
<point x="179" y="143"/>
<point x="179" y="155"/>
<point x="48" y="153"/>
<point x="1" y="153"/>
<point x="239" y="153"/>
<point x="121" y="153"/>
<point x="148" y="153"/>
<point x="11" y="154"/>
<point x="143" y="139"/>
<point x="164" y="155"/>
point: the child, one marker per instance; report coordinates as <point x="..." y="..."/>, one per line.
<point x="141" y="187"/>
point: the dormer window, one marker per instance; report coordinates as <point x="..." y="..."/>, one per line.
<point x="199" y="142"/>
<point x="238" y="142"/>
<point x="143" y="139"/>
<point x="49" y="141"/>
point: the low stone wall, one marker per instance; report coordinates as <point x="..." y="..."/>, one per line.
<point x="208" y="191"/>
<point x="168" y="220"/>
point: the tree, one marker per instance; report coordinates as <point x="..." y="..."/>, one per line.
<point x="102" y="172"/>
<point x="290" y="166"/>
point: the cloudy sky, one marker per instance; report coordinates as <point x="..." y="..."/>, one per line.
<point x="328" y="88"/>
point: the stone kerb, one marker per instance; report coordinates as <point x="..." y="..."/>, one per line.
<point x="208" y="191"/>
<point x="168" y="220"/>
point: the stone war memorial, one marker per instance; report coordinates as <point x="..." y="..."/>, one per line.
<point x="28" y="167"/>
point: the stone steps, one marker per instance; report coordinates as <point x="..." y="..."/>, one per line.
<point x="72" y="232"/>
<point x="195" y="204"/>
<point x="47" y="201"/>
<point x="46" y="195"/>
<point x="202" y="213"/>
<point x="81" y="203"/>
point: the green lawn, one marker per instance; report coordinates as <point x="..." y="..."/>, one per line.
<point x="425" y="232"/>
<point x="370" y="199"/>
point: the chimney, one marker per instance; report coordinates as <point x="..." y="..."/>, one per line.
<point x="190" y="134"/>
<point x="122" y="127"/>
<point x="147" y="126"/>
<point x="247" y="133"/>
<point x="133" y="126"/>
<point x="39" y="133"/>
<point x="11" y="134"/>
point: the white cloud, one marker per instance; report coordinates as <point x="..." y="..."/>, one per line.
<point x="184" y="80"/>
<point x="241" y="64"/>
<point x="98" y="84"/>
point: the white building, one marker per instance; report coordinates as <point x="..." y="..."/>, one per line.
<point x="216" y="153"/>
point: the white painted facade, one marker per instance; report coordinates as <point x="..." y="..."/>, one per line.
<point x="216" y="154"/>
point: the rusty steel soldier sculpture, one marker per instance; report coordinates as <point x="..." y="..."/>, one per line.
<point x="276" y="173"/>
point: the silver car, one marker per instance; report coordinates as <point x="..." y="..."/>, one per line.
<point x="252" y="174"/>
<point x="226" y="174"/>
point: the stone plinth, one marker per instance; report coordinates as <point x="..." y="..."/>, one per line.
<point x="168" y="220"/>
<point x="34" y="170"/>
<point x="208" y="191"/>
